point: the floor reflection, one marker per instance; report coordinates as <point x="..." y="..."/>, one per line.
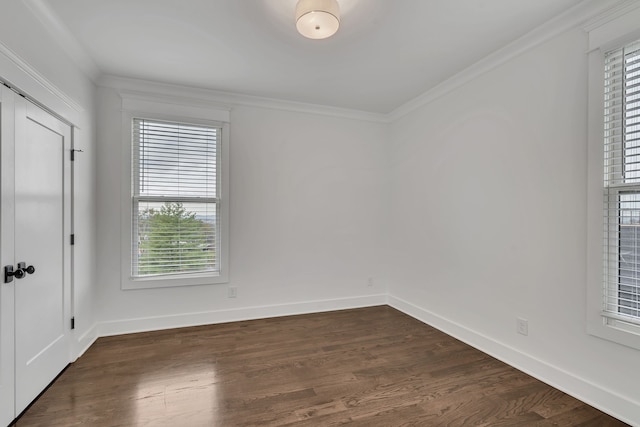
<point x="186" y="395"/>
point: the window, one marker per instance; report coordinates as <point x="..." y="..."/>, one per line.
<point x="175" y="209"/>
<point x="613" y="185"/>
<point x="622" y="184"/>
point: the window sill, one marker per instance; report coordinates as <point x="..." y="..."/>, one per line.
<point x="130" y="283"/>
<point x="615" y="331"/>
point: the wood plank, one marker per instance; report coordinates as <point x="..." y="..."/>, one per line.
<point x="365" y="367"/>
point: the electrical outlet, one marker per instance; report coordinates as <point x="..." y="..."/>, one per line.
<point x="232" y="292"/>
<point x="370" y="282"/>
<point x="522" y="326"/>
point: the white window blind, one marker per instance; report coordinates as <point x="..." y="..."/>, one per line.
<point x="175" y="198"/>
<point x="622" y="184"/>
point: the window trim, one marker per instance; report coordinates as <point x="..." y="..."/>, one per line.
<point x="603" y="37"/>
<point x="176" y="110"/>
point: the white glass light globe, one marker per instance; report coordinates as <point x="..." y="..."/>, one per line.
<point x="317" y="19"/>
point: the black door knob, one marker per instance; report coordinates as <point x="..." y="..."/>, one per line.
<point x="21" y="271"/>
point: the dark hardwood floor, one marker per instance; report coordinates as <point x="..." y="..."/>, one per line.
<point x="365" y="367"/>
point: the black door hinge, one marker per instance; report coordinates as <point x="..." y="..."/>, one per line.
<point x="73" y="239"/>
<point x="73" y="154"/>
<point x="73" y="323"/>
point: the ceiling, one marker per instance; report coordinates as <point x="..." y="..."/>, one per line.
<point x="385" y="53"/>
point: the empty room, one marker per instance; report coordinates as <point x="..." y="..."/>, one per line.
<point x="320" y="212"/>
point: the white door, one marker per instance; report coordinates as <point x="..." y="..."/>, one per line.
<point x="7" y="374"/>
<point x="41" y="223"/>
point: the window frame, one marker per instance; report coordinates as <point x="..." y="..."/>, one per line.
<point x="604" y="36"/>
<point x="178" y="111"/>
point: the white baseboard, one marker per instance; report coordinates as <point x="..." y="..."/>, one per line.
<point x="119" y="327"/>
<point x="85" y="341"/>
<point x="605" y="400"/>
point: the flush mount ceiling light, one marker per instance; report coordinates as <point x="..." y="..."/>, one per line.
<point x="317" y="19"/>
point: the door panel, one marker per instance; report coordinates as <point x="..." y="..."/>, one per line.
<point x="35" y="219"/>
<point x="7" y="136"/>
<point x="42" y="298"/>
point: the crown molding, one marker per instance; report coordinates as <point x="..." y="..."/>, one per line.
<point x="226" y="100"/>
<point x="587" y="14"/>
<point x="63" y="37"/>
<point x="574" y="17"/>
<point x="616" y="27"/>
<point x="25" y="79"/>
<point x="143" y="102"/>
<point x="609" y="15"/>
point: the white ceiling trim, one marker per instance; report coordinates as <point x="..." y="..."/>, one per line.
<point x="21" y="76"/>
<point x="615" y="28"/>
<point x="143" y="103"/>
<point x="572" y="18"/>
<point x="61" y="34"/>
<point x="618" y="11"/>
<point x="228" y="100"/>
<point x="588" y="12"/>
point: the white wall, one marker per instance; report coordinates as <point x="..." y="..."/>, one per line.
<point x="307" y="206"/>
<point x="480" y="197"/>
<point x="23" y="39"/>
<point x="488" y="222"/>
